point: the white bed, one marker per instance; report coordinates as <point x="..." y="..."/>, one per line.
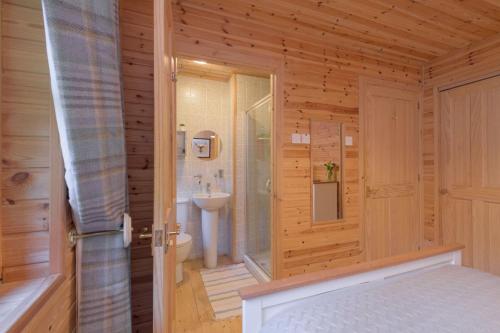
<point x="418" y="292"/>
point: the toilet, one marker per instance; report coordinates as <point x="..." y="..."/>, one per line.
<point x="184" y="240"/>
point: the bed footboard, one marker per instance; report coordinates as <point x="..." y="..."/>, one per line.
<point x="264" y="301"/>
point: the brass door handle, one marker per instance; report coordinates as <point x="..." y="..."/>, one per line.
<point x="145" y="234"/>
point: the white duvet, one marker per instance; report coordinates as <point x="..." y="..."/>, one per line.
<point x="445" y="299"/>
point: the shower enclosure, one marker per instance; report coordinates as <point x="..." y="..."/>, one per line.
<point x="259" y="122"/>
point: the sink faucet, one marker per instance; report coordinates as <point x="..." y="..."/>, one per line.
<point x="209" y="188"/>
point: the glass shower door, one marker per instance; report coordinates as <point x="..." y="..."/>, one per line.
<point x="258" y="183"/>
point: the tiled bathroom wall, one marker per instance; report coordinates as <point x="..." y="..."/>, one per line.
<point x="249" y="90"/>
<point x="205" y="105"/>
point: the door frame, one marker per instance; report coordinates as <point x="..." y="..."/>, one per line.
<point x="164" y="224"/>
<point x="263" y="62"/>
<point x="364" y="82"/>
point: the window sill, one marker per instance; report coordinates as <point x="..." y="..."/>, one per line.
<point x="22" y="300"/>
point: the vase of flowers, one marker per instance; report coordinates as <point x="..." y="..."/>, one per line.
<point x="331" y="169"/>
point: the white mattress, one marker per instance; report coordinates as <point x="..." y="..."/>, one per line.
<point x="445" y="299"/>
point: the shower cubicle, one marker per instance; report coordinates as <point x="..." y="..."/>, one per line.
<point x="259" y="124"/>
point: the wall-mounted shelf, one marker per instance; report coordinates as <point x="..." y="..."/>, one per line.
<point x="181" y="144"/>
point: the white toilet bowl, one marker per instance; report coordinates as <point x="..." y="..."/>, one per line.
<point x="184" y="243"/>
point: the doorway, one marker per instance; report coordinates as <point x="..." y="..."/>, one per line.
<point x="224" y="176"/>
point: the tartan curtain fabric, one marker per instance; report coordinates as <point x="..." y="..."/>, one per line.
<point x="82" y="40"/>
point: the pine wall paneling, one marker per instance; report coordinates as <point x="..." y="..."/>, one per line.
<point x="323" y="50"/>
<point x="33" y="196"/>
<point x="26" y="107"/>
<point x="318" y="83"/>
<point x="136" y="28"/>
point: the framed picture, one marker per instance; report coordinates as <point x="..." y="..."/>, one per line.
<point x="201" y="147"/>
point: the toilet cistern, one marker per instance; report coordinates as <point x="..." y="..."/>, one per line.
<point x="210" y="203"/>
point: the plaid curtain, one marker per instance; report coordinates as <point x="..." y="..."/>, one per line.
<point x="83" y="51"/>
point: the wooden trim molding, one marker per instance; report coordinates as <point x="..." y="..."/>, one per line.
<point x="22" y="314"/>
<point x="336" y="273"/>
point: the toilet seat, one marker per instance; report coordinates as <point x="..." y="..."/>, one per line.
<point x="183" y="239"/>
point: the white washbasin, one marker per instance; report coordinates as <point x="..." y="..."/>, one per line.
<point x="210" y="205"/>
<point x="212" y="201"/>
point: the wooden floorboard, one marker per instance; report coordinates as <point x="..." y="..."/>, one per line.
<point x="193" y="311"/>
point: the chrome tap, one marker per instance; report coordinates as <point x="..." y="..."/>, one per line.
<point x="209" y="189"/>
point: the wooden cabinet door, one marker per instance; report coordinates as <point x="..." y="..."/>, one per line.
<point x="390" y="130"/>
<point x="469" y="177"/>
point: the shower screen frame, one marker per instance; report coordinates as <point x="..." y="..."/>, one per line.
<point x="262" y="211"/>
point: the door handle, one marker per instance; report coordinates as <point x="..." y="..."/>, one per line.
<point x="145" y="234"/>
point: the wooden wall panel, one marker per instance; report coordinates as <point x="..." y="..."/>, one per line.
<point x="479" y="60"/>
<point x="320" y="82"/>
<point x="26" y="108"/>
<point x="136" y="28"/>
<point x="28" y="140"/>
<point x="322" y="68"/>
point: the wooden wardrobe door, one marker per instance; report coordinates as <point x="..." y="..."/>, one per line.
<point x="469" y="160"/>
<point x="390" y="122"/>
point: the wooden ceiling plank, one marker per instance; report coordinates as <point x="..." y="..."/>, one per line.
<point x="439" y="19"/>
<point x="283" y="19"/>
<point x="208" y="40"/>
<point x="346" y="63"/>
<point x="288" y="26"/>
<point x="355" y="36"/>
<point x="339" y="17"/>
<point x="370" y="30"/>
<point x="482" y="8"/>
<point x="454" y="8"/>
<point x="288" y="45"/>
<point x="389" y="16"/>
<point x="234" y="22"/>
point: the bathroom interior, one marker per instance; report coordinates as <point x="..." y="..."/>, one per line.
<point x="224" y="177"/>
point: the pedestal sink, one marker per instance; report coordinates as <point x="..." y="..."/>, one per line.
<point x="210" y="205"/>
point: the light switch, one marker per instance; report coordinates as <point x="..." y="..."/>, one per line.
<point x="296" y="138"/>
<point x="306" y="139"/>
<point x="348" y="140"/>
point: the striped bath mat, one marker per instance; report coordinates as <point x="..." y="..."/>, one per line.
<point x="222" y="284"/>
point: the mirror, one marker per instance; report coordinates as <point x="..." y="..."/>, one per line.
<point x="326" y="169"/>
<point x="206" y="145"/>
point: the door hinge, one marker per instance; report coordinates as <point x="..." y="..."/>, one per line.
<point x="174" y="77"/>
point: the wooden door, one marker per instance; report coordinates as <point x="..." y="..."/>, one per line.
<point x="164" y="226"/>
<point x="469" y="160"/>
<point x="390" y="131"/>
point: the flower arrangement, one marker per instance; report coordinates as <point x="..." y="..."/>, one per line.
<point x="331" y="168"/>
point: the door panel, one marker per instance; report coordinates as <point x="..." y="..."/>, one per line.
<point x="457" y="224"/>
<point x="391" y="154"/>
<point x="164" y="178"/>
<point x="470" y="171"/>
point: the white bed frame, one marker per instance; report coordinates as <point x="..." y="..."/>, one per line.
<point x="264" y="301"/>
